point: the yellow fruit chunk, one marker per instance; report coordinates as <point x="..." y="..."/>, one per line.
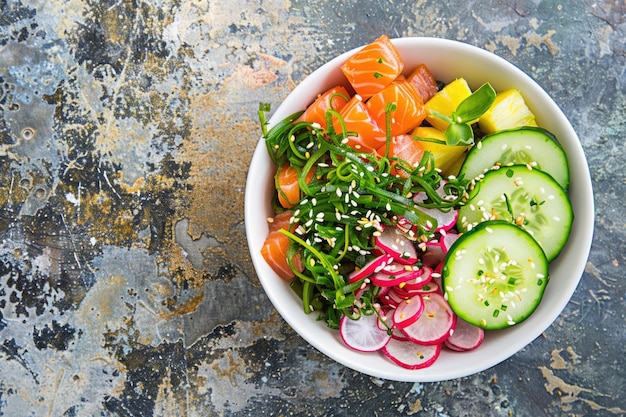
<point x="446" y="101"/>
<point x="447" y="158"/>
<point x="508" y="111"/>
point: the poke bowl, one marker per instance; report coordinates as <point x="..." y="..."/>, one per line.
<point x="447" y="60"/>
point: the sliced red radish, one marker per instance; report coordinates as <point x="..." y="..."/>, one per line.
<point x="383" y="279"/>
<point x="411" y="355"/>
<point x="395" y="296"/>
<point x="385" y="318"/>
<point x="437" y="275"/>
<point x="465" y="337"/>
<point x="435" y="324"/>
<point x="434" y="253"/>
<point x="408" y="311"/>
<point x="426" y="288"/>
<point x="363" y="334"/>
<point x="394" y="268"/>
<point x="396" y="244"/>
<point x="368" y="269"/>
<point x="448" y="239"/>
<point x="445" y="219"/>
<point x="420" y="280"/>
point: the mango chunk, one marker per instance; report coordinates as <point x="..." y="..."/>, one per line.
<point x="446" y="101"/>
<point x="508" y="111"/>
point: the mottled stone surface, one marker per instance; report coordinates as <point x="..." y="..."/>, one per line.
<point x="126" y="129"/>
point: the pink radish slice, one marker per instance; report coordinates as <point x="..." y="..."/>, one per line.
<point x="363" y="334"/>
<point x="448" y="239"/>
<point x="445" y="219"/>
<point x="437" y="275"/>
<point x="426" y="288"/>
<point x="397" y="245"/>
<point x="465" y="337"/>
<point x="436" y="250"/>
<point x="433" y="254"/>
<point x="435" y="324"/>
<point x="394" y="268"/>
<point x="368" y="269"/>
<point x="411" y="355"/>
<point x="383" y="279"/>
<point x="385" y="323"/>
<point x="385" y="319"/>
<point x="419" y="281"/>
<point x="388" y="300"/>
<point x="408" y="311"/>
<point x="395" y="296"/>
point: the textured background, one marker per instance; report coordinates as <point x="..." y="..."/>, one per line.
<point x="126" y="130"/>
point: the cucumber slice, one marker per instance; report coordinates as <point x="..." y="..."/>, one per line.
<point x="526" y="145"/>
<point x="494" y="276"/>
<point x="526" y="197"/>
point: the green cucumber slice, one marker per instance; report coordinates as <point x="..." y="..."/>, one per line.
<point x="526" y="197"/>
<point x="526" y="145"/>
<point x="494" y="276"/>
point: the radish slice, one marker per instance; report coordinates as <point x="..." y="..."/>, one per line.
<point x="448" y="239"/>
<point x="466" y="337"/>
<point x="363" y="334"/>
<point x="435" y="324"/>
<point x="408" y="311"/>
<point x="368" y="269"/>
<point x="427" y="288"/>
<point x="397" y="245"/>
<point x="419" y="281"/>
<point x="445" y="220"/>
<point x="434" y="253"/>
<point x="411" y="355"/>
<point x="394" y="268"/>
<point x="395" y="296"/>
<point x="383" y="279"/>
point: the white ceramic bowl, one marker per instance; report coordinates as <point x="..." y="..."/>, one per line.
<point x="447" y="60"/>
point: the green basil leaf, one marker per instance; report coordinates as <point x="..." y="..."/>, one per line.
<point x="475" y="105"/>
<point x="459" y="134"/>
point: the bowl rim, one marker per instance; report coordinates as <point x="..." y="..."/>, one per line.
<point x="578" y="247"/>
